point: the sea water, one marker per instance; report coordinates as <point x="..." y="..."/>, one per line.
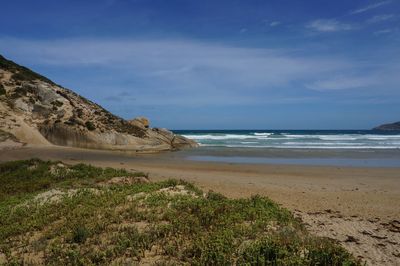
<point x="359" y="148"/>
<point x="296" y="139"/>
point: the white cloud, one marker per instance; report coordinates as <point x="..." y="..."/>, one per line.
<point x="173" y="59"/>
<point x="381" y="18"/>
<point x="342" y="83"/>
<point x="369" y="7"/>
<point x="274" y="23"/>
<point x="377" y="78"/>
<point x="185" y="72"/>
<point x="385" y="31"/>
<point x="329" y="25"/>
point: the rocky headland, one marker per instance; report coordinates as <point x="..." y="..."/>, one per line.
<point x="35" y="110"/>
<point x="391" y="126"/>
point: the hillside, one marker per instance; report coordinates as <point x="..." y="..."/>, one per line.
<point x="35" y="110"/>
<point x="57" y="214"/>
<point x="391" y="126"/>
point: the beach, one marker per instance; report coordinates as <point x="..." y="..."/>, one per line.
<point x="367" y="192"/>
<point x="200" y="133"/>
<point x="354" y="205"/>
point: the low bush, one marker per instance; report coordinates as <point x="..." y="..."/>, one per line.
<point x="21" y="177"/>
<point x="2" y="90"/>
<point x="90" y="126"/>
<point x="86" y="220"/>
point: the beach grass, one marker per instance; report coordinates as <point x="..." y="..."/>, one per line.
<point x="58" y="214"/>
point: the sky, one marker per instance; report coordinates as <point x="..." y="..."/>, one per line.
<point x="218" y="64"/>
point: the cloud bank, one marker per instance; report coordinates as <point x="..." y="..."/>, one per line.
<point x="381" y="18"/>
<point x="192" y="73"/>
<point x="369" y="7"/>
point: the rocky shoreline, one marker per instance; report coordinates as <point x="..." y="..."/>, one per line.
<point x="35" y="110"/>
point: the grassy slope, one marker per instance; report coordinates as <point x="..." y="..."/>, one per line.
<point x="92" y="221"/>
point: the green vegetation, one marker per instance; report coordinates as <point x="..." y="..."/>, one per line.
<point x="2" y="90"/>
<point x="90" y="126"/>
<point x="22" y="177"/>
<point x="57" y="103"/>
<point x="21" y="73"/>
<point x="23" y="90"/>
<point x="51" y="213"/>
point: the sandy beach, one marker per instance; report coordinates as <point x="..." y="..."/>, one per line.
<point x="354" y="205"/>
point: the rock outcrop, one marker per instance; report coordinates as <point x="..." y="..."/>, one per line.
<point x="141" y="122"/>
<point x="37" y="111"/>
<point x="392" y="127"/>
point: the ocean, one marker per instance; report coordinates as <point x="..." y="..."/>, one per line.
<point x="296" y="139"/>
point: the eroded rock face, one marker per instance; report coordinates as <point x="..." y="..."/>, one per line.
<point x="142" y="121"/>
<point x="176" y="141"/>
<point x="38" y="111"/>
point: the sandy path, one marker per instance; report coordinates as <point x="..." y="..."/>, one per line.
<point x="357" y="206"/>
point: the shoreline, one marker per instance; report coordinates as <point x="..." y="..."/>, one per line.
<point x="304" y="183"/>
<point x="357" y="206"/>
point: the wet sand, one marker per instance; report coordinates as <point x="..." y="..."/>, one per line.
<point x="366" y="192"/>
<point x="358" y="206"/>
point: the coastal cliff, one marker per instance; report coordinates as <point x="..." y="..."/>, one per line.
<point x="35" y="110"/>
<point x="391" y="126"/>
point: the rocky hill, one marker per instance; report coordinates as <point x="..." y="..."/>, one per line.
<point x="392" y="126"/>
<point x="35" y="110"/>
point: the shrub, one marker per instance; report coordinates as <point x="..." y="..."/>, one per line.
<point x="79" y="112"/>
<point x="277" y="249"/>
<point x="18" y="76"/>
<point x="57" y="103"/>
<point x="21" y="177"/>
<point x="90" y="126"/>
<point x="96" y="222"/>
<point x="211" y="195"/>
<point x="80" y="234"/>
<point x="2" y="90"/>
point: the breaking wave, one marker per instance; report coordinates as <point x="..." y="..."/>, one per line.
<point x="297" y="140"/>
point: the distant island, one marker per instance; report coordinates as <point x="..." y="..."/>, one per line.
<point x="391" y="126"/>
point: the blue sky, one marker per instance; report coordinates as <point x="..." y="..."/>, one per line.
<point x="218" y="64"/>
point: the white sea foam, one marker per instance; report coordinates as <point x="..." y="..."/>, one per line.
<point x="337" y="138"/>
<point x="324" y="137"/>
<point x="298" y="141"/>
<point x="218" y="137"/>
<point x="380" y="137"/>
<point x="308" y="147"/>
<point x="263" y="134"/>
<point x="322" y="143"/>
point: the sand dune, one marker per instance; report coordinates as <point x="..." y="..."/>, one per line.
<point x="356" y="206"/>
